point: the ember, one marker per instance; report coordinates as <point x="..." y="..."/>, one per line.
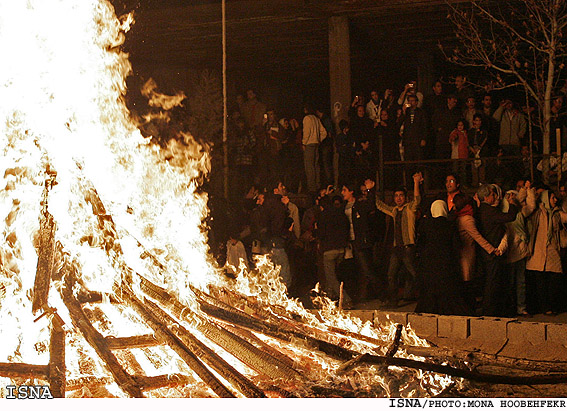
<point x="105" y="276"/>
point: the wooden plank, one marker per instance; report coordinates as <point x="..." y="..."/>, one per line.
<point x="138" y="341"/>
<point x="46" y="255"/>
<point x="56" y="366"/>
<point x="95" y="339"/>
<point x="17" y="370"/>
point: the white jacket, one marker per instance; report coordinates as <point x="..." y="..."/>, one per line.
<point x="313" y="130"/>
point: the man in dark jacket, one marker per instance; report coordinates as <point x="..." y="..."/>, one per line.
<point x="491" y="225"/>
<point x="414" y="130"/>
<point x="360" y="214"/>
<point x="333" y="232"/>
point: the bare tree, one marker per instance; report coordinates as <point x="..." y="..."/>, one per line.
<point x="520" y="42"/>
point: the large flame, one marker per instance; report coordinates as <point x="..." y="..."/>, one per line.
<point x="62" y="88"/>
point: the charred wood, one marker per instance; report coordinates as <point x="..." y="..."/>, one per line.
<point x="17" y="370"/>
<point x="56" y="367"/>
<point x="138" y="341"/>
<point x="456" y="372"/>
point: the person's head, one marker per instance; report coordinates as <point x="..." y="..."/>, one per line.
<point x="250" y="94"/>
<point x="562" y="193"/>
<point x="337" y="201"/>
<point x="384" y="116"/>
<point x="360" y="111"/>
<point x="520" y="184"/>
<point x="348" y="192"/>
<point x="284" y="122"/>
<point x="477" y="121"/>
<point x="460" y="81"/>
<point x="400" y="197"/>
<point x="470" y="103"/>
<point x="438" y="88"/>
<point x="451" y="102"/>
<point x="460" y="201"/>
<point x="461" y="125"/>
<point x="325" y="203"/>
<point x="557" y="102"/>
<point x="486" y="194"/>
<point x="487" y="101"/>
<point x="271" y="115"/>
<point x="319" y="113"/>
<point x="374" y="96"/>
<point x="452" y="183"/>
<point x="343" y="126"/>
<point x="439" y="209"/>
<point x="412" y="101"/>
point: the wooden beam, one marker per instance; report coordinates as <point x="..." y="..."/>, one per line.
<point x="138" y="341"/>
<point x="21" y="370"/>
<point x="56" y="366"/>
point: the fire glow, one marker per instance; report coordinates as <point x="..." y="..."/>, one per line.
<point x="123" y="206"/>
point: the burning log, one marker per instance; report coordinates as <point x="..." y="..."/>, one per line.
<point x="456" y="372"/>
<point x="126" y="343"/>
<point x="207" y="355"/>
<point x="95" y="339"/>
<point x="56" y="367"/>
<point x="164" y="334"/>
<point x="46" y="253"/>
<point x="19" y="370"/>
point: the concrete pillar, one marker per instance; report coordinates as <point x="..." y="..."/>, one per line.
<point x="425" y="73"/>
<point x="339" y="67"/>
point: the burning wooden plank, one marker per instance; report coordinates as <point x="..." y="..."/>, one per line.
<point x="20" y="370"/>
<point x="56" y="367"/>
<point x="46" y="253"/>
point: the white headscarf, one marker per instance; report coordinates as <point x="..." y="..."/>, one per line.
<point x="439" y="209"/>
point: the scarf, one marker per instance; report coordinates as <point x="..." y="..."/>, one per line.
<point x="439" y="209"/>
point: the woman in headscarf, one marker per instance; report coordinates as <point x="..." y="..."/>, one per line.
<point x="438" y="245"/>
<point x="544" y="265"/>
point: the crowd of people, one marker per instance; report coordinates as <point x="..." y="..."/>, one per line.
<point x="492" y="243"/>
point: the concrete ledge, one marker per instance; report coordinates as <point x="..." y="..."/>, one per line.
<point x="526" y="333"/>
<point x="424" y="325"/>
<point x="449" y="326"/>
<point x="489" y="328"/>
<point x="556" y="333"/>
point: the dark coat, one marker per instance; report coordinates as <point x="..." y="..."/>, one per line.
<point x="363" y="214"/>
<point x="333" y="229"/>
<point x="414" y="131"/>
<point x="491" y="222"/>
<point x="439" y="277"/>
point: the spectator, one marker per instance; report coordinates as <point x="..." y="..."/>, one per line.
<point x="453" y="187"/>
<point x="346" y="149"/>
<point x="440" y="282"/>
<point x="468" y="232"/>
<point x="544" y="264"/>
<point x="361" y="236"/>
<point x="361" y="127"/>
<point x="489" y="124"/>
<point x="491" y="225"/>
<point x="313" y="134"/>
<point x="518" y="245"/>
<point x="278" y="254"/>
<point x="444" y="122"/>
<point x="333" y="234"/>
<point x="410" y="89"/>
<point x="327" y="148"/>
<point x="513" y="127"/>
<point x="404" y="216"/>
<point x="253" y="111"/>
<point x="274" y="138"/>
<point x="470" y="111"/>
<point x="459" y="142"/>
<point x="478" y="138"/>
<point x="235" y="254"/>
<point x="436" y="101"/>
<point x="243" y="153"/>
<point x="374" y="106"/>
<point x="462" y="90"/>
<point x="413" y="130"/>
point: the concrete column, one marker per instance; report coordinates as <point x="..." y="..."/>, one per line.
<point x="425" y="73"/>
<point x="339" y="67"/>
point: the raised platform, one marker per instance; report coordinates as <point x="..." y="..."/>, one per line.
<point x="505" y="337"/>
